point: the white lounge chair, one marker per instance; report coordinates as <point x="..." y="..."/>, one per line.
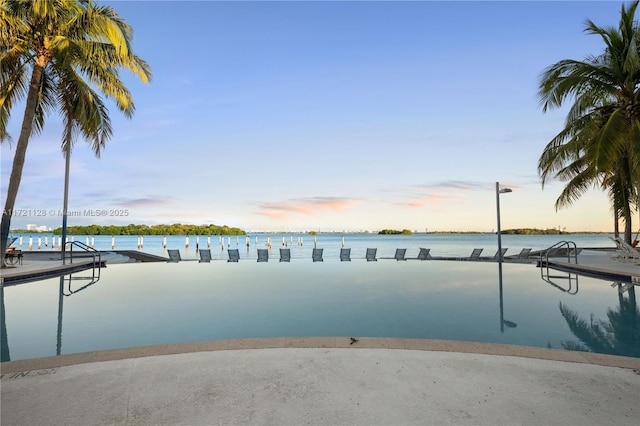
<point x="205" y="255"/>
<point x="371" y="254"/>
<point x="624" y="251"/>
<point x="285" y="255"/>
<point x="234" y="255"/>
<point x="400" y="254"/>
<point x="263" y="255"/>
<point x="345" y="254"/>
<point x="317" y="255"/>
<point x="174" y="255"/>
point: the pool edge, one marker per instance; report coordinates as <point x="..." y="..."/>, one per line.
<point x="321" y="342"/>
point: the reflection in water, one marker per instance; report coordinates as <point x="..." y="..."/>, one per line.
<point x="565" y="276"/>
<point x="60" y="305"/>
<point x="503" y="322"/>
<point x="4" y="343"/>
<point x="69" y="292"/>
<point x="140" y="304"/>
<point x="619" y="336"/>
<point x="4" y="340"/>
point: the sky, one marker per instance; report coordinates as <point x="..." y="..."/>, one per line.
<point x="331" y="116"/>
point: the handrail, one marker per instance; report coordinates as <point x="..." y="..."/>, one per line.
<point x="571" y="247"/>
<point x="84" y="247"/>
<point x="572" y="252"/>
<point x="87" y="249"/>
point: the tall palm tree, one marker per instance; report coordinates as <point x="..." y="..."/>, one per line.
<point x="62" y="55"/>
<point x="599" y="146"/>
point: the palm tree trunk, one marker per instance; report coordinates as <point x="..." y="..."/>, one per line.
<point x="19" y="158"/>
<point x="65" y="202"/>
<point x="627" y="225"/>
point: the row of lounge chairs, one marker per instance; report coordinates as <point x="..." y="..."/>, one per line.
<point x="345" y="255"/>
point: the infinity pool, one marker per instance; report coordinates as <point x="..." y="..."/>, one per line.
<point x="155" y="303"/>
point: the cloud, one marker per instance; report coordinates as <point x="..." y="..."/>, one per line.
<point x="431" y="200"/>
<point x="276" y="215"/>
<point x="144" y="202"/>
<point x="100" y="194"/>
<point x="306" y="206"/>
<point x="454" y="184"/>
<point x="440" y="194"/>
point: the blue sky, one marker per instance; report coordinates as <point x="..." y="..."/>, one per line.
<point x="291" y="116"/>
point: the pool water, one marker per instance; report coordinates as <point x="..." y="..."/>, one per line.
<point x="156" y="303"/>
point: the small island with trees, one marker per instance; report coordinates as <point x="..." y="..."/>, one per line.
<point x="131" y="229"/>
<point x="533" y="231"/>
<point x="395" y="232"/>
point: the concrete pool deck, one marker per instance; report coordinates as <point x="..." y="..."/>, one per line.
<point x="599" y="263"/>
<point x="323" y="381"/>
<point x="41" y="265"/>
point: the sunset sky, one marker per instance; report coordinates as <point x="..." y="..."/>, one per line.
<point x="292" y="116"/>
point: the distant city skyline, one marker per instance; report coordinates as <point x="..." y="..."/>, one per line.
<point x="338" y="116"/>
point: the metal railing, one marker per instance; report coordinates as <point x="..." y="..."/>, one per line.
<point x="562" y="248"/>
<point x="96" y="258"/>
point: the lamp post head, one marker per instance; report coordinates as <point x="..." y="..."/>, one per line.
<point x="504" y="190"/>
<point x="509" y="324"/>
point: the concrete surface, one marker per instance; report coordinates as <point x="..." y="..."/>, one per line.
<point x="326" y="385"/>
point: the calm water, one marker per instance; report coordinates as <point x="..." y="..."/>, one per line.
<point x="456" y="245"/>
<point x="144" y="304"/>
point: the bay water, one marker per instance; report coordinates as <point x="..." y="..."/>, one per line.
<point x="445" y="245"/>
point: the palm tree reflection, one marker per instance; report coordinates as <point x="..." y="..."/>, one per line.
<point x="60" y="306"/>
<point x="4" y="341"/>
<point x="619" y="336"/>
<point x="5" y="354"/>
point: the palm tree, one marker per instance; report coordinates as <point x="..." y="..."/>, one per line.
<point x="599" y="146"/>
<point x="61" y="55"/>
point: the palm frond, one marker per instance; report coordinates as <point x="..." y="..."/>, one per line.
<point x="599" y="146"/>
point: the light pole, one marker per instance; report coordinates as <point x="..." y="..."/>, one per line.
<point x="498" y="192"/>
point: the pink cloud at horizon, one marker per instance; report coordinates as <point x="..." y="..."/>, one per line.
<point x="310" y="206"/>
<point x="432" y="200"/>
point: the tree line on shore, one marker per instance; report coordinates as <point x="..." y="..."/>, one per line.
<point x="533" y="231"/>
<point x="180" y="229"/>
<point x="132" y="229"/>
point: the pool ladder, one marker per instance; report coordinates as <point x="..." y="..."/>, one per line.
<point x="562" y="248"/>
<point x="96" y="265"/>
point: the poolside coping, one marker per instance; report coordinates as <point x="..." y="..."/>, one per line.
<point x="35" y="364"/>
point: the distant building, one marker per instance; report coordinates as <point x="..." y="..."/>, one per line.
<point x="36" y="228"/>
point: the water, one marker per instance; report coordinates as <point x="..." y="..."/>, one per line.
<point x="155" y="303"/>
<point x="448" y="245"/>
